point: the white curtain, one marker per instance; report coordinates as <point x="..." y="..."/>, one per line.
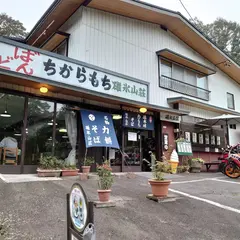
<point x="71" y="126"/>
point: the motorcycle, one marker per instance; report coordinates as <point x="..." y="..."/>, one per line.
<point x="226" y="153"/>
<point x="232" y="168"/>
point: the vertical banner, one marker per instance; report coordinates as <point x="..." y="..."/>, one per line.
<point x="98" y="129"/>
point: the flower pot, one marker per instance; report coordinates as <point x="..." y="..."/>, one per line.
<point x="86" y="169"/>
<point x="104" y="195"/>
<point x="159" y="188"/>
<point x="48" y="173"/>
<point x="195" y="167"/>
<point x="69" y="172"/>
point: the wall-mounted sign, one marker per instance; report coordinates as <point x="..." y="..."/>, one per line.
<point x="165" y="141"/>
<point x="200" y="138"/>
<point x="194" y="137"/>
<point x="138" y="121"/>
<point x="207" y="139"/>
<point x="168" y="117"/>
<point x="70" y="72"/>
<point x="188" y="136"/>
<point x="213" y="142"/>
<point x="78" y="206"/>
<point x="132" y="136"/>
<point x="184" y="148"/>
<point x="218" y="140"/>
<point x="98" y="129"/>
<point x="207" y="149"/>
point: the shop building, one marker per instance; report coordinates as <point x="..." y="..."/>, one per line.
<point x="115" y="57"/>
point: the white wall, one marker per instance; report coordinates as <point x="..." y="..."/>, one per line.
<point x="129" y="47"/>
<point x="234" y="135"/>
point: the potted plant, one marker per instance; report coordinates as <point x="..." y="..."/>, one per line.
<point x="105" y="181"/>
<point x="88" y="161"/>
<point x="69" y="170"/>
<point x="49" y="166"/>
<point x="196" y="165"/>
<point x="158" y="184"/>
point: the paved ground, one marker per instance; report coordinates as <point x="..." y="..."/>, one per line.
<point x="209" y="209"/>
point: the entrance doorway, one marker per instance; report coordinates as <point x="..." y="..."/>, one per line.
<point x="137" y="147"/>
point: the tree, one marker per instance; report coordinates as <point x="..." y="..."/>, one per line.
<point x="10" y="27"/>
<point x="225" y="34"/>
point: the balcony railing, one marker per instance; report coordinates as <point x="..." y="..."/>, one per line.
<point x="183" y="87"/>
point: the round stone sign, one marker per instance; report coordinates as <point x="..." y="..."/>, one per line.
<point x="78" y="205"/>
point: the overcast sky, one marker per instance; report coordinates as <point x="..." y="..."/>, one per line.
<point x="30" y="11"/>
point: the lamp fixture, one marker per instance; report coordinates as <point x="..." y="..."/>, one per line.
<point x="5" y="114"/>
<point x="143" y="110"/>
<point x="116" y="116"/>
<point x="43" y="89"/>
<point x="51" y="123"/>
<point x="62" y="130"/>
<point x="17" y="134"/>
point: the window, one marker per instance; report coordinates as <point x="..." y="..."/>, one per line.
<point x="11" y="124"/>
<point x="166" y="68"/>
<point x="39" y="141"/>
<point x="230" y="101"/>
<point x="62" y="48"/>
<point x="233" y="126"/>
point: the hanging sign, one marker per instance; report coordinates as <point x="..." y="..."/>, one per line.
<point x="168" y="117"/>
<point x="184" y="148"/>
<point x="98" y="129"/>
<point x="138" y="121"/>
<point x="70" y="72"/>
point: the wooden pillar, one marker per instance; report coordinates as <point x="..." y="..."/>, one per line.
<point x="158" y="135"/>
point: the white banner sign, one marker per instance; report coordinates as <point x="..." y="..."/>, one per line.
<point x="39" y="65"/>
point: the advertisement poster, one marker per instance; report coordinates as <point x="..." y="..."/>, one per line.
<point x="206" y="138"/>
<point x="200" y="136"/>
<point x="132" y="136"/>
<point x="194" y="137"/>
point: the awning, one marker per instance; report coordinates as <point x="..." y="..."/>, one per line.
<point x="202" y="105"/>
<point x="187" y="62"/>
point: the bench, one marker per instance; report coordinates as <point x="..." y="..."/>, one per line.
<point x="209" y="164"/>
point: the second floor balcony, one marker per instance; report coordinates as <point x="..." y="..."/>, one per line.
<point x="184" y="88"/>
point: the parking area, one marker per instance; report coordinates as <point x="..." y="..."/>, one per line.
<point x="208" y="208"/>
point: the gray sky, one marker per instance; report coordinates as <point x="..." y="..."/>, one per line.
<point x="30" y="11"/>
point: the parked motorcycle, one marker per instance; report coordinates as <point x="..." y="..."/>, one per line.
<point x="232" y="168"/>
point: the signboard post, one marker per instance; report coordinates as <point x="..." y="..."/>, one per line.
<point x="79" y="215"/>
<point x="184" y="148"/>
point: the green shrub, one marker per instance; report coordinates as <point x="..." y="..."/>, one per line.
<point x="88" y="161"/>
<point x="50" y="162"/>
<point x="159" y="169"/>
<point x="104" y="172"/>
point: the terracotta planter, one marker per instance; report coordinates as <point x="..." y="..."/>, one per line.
<point x="104" y="195"/>
<point x="48" y="173"/>
<point x="159" y="188"/>
<point x="69" y="172"/>
<point x="86" y="169"/>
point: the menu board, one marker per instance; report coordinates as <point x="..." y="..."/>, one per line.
<point x="184" y="148"/>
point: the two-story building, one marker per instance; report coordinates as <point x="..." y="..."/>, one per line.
<point x="148" y="67"/>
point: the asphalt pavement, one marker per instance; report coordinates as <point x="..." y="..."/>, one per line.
<point x="208" y="208"/>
